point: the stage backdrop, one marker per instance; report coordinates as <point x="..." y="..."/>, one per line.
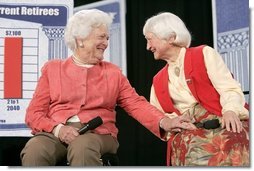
<point x="231" y="37"/>
<point x="31" y="33"/>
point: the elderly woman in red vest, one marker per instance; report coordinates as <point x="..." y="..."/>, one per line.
<point x="196" y="82"/>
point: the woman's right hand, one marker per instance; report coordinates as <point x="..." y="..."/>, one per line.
<point x="177" y="123"/>
<point x="67" y="134"/>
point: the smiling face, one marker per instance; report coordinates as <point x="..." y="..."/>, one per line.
<point x="94" y="45"/>
<point x="159" y="47"/>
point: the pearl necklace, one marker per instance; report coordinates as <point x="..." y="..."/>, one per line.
<point x="78" y="62"/>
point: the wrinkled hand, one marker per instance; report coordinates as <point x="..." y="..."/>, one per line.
<point x="231" y="120"/>
<point x="178" y="123"/>
<point x="67" y="134"/>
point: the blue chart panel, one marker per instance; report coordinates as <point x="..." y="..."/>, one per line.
<point x="231" y="37"/>
<point x="40" y="27"/>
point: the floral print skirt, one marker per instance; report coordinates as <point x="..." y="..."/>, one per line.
<point x="211" y="147"/>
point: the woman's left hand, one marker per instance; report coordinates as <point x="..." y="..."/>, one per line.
<point x="231" y="120"/>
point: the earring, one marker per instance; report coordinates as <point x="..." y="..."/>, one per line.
<point x="81" y="45"/>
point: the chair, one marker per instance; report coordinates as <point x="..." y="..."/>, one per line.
<point x="110" y="159"/>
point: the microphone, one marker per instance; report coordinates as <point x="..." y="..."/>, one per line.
<point x="210" y="124"/>
<point x="92" y="124"/>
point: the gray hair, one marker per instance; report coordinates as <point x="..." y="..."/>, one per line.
<point x="82" y="23"/>
<point x="167" y="25"/>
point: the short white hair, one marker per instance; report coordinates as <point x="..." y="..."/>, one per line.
<point x="82" y="23"/>
<point x="167" y="25"/>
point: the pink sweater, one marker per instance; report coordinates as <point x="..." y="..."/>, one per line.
<point x="65" y="89"/>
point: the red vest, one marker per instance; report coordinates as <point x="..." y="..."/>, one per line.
<point x="197" y="80"/>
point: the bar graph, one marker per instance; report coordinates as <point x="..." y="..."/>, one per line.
<point x="19" y="73"/>
<point x="28" y="39"/>
<point x="19" y="67"/>
<point x="13" y="67"/>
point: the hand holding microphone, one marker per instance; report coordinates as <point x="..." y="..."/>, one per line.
<point x="70" y="133"/>
<point x="92" y="124"/>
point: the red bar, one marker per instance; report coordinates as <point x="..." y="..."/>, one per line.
<point x="13" y="67"/>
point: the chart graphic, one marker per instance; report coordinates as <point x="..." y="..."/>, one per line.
<point x="20" y="66"/>
<point x="30" y="35"/>
<point x="12" y="67"/>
